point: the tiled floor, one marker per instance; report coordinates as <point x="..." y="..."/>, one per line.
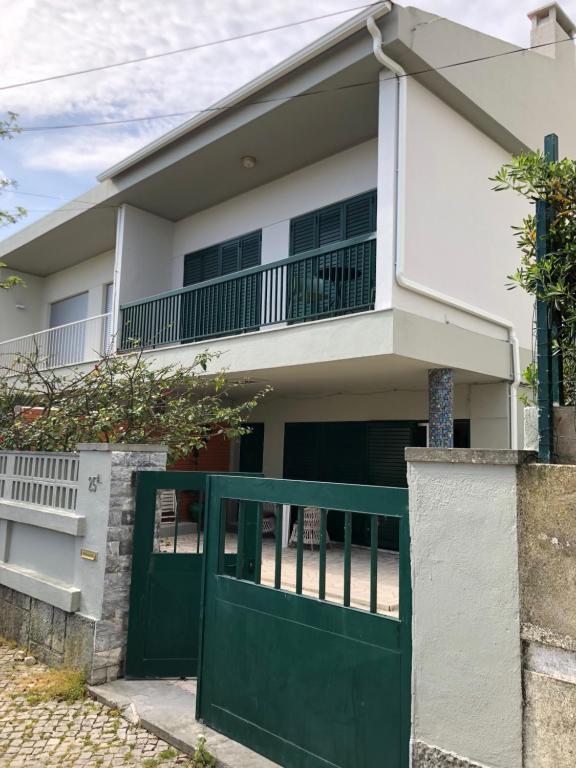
<point x="387" y="571"/>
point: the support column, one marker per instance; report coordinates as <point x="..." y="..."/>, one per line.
<point x="441" y="407"/>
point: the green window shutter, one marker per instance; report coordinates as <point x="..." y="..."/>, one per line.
<point x="223" y="258"/>
<point x="230" y="257"/>
<point x="350" y="218"/>
<point x="360" y="215"/>
<point x="303" y="234"/>
<point x="251" y="250"/>
<point x="329" y="225"/>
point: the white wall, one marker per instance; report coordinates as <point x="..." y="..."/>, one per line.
<point x="21" y="307"/>
<point x="143" y="252"/>
<point x="466" y="663"/>
<point x="457" y="235"/>
<point x="271" y="206"/>
<point x="90" y="275"/>
<point x="397" y="405"/>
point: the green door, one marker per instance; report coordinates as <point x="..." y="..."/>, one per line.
<point x="167" y="566"/>
<point x="306" y="682"/>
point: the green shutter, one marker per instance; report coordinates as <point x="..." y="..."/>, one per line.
<point x="330" y="226"/>
<point x="349" y="218"/>
<point x="360" y="215"/>
<point x="303" y="234"/>
<point x="225" y="307"/>
<point x="251" y="250"/>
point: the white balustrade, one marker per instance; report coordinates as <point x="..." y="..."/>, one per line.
<point x="79" y="342"/>
<point x="38" y="478"/>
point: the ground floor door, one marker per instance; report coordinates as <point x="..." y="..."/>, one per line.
<point x="314" y="670"/>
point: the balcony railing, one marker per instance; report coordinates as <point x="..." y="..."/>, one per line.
<point x="336" y="280"/>
<point x="70" y="344"/>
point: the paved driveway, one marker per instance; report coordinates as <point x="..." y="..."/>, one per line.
<point x="53" y="734"/>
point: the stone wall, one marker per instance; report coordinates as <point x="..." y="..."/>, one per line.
<point x="112" y="630"/>
<point x="547" y="557"/>
<point x="54" y="636"/>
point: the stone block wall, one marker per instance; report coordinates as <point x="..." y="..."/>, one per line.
<point x="547" y="560"/>
<point x="112" y="630"/>
<point x="53" y="636"/>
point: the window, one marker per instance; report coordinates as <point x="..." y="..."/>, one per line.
<point x="223" y="258"/>
<point x="345" y="220"/>
<point x="66" y="342"/>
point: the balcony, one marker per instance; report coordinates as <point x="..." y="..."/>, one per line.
<point x="79" y="342"/>
<point x="338" y="279"/>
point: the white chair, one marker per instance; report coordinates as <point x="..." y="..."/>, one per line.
<point x="167" y="505"/>
<point x="311" y="532"/>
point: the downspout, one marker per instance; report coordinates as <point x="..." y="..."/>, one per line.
<point x="401" y="279"/>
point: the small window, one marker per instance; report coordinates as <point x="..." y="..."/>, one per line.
<point x="350" y="218"/>
<point x="223" y="258"/>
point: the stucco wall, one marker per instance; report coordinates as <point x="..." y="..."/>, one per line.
<point x="21" y="307"/>
<point x="457" y="235"/>
<point x="271" y="206"/>
<point x="90" y="275"/>
<point x="484" y="405"/>
<point x="143" y="252"/>
<point x="467" y="697"/>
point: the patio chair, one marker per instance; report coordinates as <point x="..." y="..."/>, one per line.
<point x="311" y="532"/>
<point x="167" y="505"/>
<point x="268" y="518"/>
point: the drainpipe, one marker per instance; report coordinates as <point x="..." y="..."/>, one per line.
<point x="401" y="279"/>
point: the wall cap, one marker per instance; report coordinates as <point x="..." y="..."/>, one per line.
<point x="123" y="447"/>
<point x="469" y="456"/>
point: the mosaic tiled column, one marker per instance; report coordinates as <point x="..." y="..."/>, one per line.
<point x="441" y="407"/>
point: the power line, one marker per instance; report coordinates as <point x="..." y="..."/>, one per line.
<point x="173" y="52"/>
<point x="415" y="73"/>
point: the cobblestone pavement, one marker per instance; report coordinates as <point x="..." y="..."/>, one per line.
<point x="83" y="733"/>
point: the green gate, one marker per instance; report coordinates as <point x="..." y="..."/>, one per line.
<point x="307" y="682"/>
<point x="164" y="621"/>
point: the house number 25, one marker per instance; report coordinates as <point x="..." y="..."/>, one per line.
<point x="93" y="483"/>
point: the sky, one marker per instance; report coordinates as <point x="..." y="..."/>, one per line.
<point x="40" y="38"/>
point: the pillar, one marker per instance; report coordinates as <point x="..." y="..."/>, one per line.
<point x="441" y="407"/>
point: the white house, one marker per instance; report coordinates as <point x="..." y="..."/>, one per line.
<point x="330" y="228"/>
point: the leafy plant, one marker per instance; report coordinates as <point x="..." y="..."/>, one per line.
<point x="120" y="399"/>
<point x="8" y="129"/>
<point x="202" y="758"/>
<point x="552" y="278"/>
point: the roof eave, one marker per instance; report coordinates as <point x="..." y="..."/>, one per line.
<point x="282" y="69"/>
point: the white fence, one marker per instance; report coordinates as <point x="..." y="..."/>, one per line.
<point x="39" y="525"/>
<point x="70" y="344"/>
<point x="43" y="479"/>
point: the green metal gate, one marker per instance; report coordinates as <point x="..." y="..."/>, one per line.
<point x="306" y="682"/>
<point x="164" y="621"/>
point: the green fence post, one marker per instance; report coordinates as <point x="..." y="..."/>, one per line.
<point x="548" y="370"/>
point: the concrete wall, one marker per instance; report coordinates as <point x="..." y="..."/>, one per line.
<point x="467" y="693"/>
<point x="547" y="540"/>
<point x="271" y="206"/>
<point x="456" y="233"/>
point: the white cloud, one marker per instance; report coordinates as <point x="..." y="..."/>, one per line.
<point x="43" y="37"/>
